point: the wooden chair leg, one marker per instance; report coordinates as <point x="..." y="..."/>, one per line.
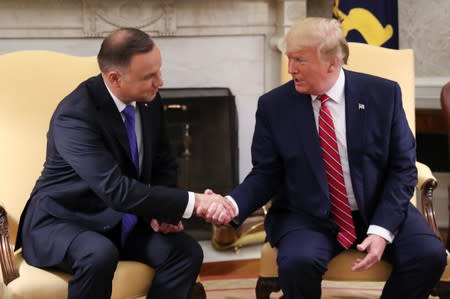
<point x="265" y="286"/>
<point x="442" y="290"/>
<point x="7" y="260"/>
<point x="198" y="292"/>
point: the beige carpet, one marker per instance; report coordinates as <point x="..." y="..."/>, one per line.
<point x="244" y="288"/>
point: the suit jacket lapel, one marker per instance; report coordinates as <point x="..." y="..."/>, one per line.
<point x="109" y="116"/>
<point x="306" y="126"/>
<point x="356" y="107"/>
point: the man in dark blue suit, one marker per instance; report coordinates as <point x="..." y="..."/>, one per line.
<point x="376" y="157"/>
<point x="99" y="169"/>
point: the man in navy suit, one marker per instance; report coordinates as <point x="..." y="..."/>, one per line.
<point x="73" y="220"/>
<point x="376" y="149"/>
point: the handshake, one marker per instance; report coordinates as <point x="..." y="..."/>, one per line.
<point x="214" y="207"/>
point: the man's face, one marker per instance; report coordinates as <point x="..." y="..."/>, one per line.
<point x="310" y="74"/>
<point x="141" y="80"/>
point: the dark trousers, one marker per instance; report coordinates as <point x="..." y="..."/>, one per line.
<point x="92" y="259"/>
<point x="417" y="255"/>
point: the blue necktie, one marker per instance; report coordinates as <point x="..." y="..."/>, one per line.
<point x="129" y="220"/>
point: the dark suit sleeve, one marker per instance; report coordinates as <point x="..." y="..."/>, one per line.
<point x="80" y="143"/>
<point x="401" y="173"/>
<point x="266" y="175"/>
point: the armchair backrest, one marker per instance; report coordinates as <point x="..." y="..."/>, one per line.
<point x="396" y="65"/>
<point x="31" y="85"/>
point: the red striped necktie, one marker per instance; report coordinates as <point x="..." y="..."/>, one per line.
<point x="340" y="207"/>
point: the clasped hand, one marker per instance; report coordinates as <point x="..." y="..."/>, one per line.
<point x="214" y="207"/>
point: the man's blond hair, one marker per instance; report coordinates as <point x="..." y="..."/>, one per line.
<point x="321" y="33"/>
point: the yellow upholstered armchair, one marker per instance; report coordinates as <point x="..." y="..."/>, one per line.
<point x="397" y="65"/>
<point x="31" y="85"/>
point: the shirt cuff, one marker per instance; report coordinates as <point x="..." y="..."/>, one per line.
<point x="190" y="206"/>
<point x="233" y="202"/>
<point x="382" y="232"/>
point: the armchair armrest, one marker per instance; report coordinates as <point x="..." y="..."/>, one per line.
<point x="426" y="184"/>
<point x="7" y="261"/>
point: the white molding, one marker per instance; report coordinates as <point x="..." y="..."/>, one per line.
<point x="157" y="17"/>
<point x="97" y="18"/>
<point x="428" y="90"/>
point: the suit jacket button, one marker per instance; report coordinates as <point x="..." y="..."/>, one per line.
<point x="106" y="227"/>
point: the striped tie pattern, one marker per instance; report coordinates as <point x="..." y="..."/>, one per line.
<point x="340" y="207"/>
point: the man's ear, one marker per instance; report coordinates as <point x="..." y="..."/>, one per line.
<point x="113" y="78"/>
<point x="334" y="65"/>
